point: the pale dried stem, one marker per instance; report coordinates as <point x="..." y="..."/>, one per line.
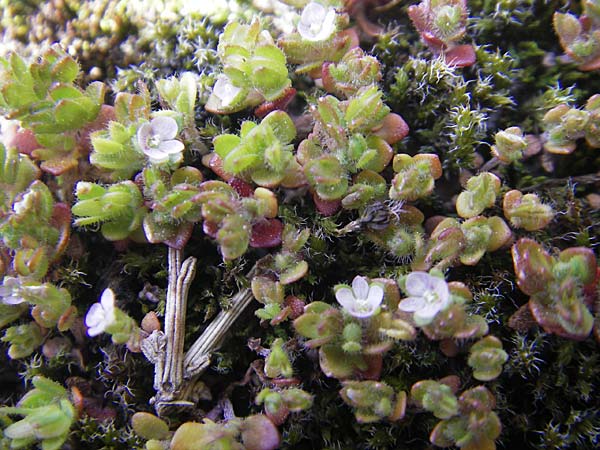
<point x="180" y="277"/>
<point x="165" y="350"/>
<point x="175" y="374"/>
<point x="198" y="355"/>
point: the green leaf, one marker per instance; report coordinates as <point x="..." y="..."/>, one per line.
<point x="240" y="159"/>
<point x="225" y="143"/>
<point x="65" y="70"/>
<point x="96" y="91"/>
<point x="282" y="126"/>
<point x="64" y="91"/>
<point x="71" y="114"/>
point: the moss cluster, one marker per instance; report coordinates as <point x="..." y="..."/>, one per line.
<point x="385" y="149"/>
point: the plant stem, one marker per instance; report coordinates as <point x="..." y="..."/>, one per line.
<point x="197" y="357"/>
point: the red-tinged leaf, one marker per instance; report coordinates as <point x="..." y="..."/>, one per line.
<point x="266" y="233"/>
<point x="327" y="207"/>
<point x="586" y="273"/>
<point x="435" y="44"/>
<point x="57" y="167"/>
<point x="215" y="163"/>
<point x="296" y="306"/>
<point x="279" y="104"/>
<point x="368" y="27"/>
<point x="241" y="187"/>
<point x="577" y="319"/>
<point x="522" y="320"/>
<point x="24" y="140"/>
<point x="594" y="64"/>
<point x="533" y="266"/>
<point x="326" y="78"/>
<point x="181" y="237"/>
<point x="61" y="219"/>
<point x="106" y="115"/>
<point x="210" y="229"/>
<point x="393" y="129"/>
<point x="461" y="56"/>
<point x="67" y="318"/>
<point x="94" y="409"/>
<point x="259" y="433"/>
<point x="374" y="367"/>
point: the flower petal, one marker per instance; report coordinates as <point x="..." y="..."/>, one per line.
<point x="425" y="315"/>
<point x="411" y="304"/>
<point x="346" y="298"/>
<point x="418" y="283"/>
<point x="107" y="299"/>
<point x="95" y="315"/>
<point x="360" y="287"/>
<point x="440" y="287"/>
<point x="143" y="134"/>
<point x="165" y="127"/>
<point x="328" y="25"/>
<point x="96" y="330"/>
<point x="375" y="296"/>
<point x="225" y="90"/>
<point x="316" y="23"/>
<point x="156" y="156"/>
<point x="171" y="147"/>
<point x="12" y="299"/>
<point x="361" y="313"/>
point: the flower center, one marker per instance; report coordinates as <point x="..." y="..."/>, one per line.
<point x="154" y="141"/>
<point x="362" y="305"/>
<point x="431" y="297"/>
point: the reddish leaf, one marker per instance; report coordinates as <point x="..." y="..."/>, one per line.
<point x="215" y="163"/>
<point x="327" y="207"/>
<point x="210" y="229"/>
<point x="61" y="219"/>
<point x="296" y="306"/>
<point x="533" y="266"/>
<point x="57" y="167"/>
<point x="24" y="140"/>
<point x="181" y="237"/>
<point x="279" y="104"/>
<point x="461" y="56"/>
<point x="106" y="115"/>
<point x="266" y="233"/>
<point x="393" y="129"/>
<point x="594" y="64"/>
<point x="241" y="187"/>
<point x="374" y="367"/>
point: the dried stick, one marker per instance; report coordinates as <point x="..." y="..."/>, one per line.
<point x="198" y="355"/>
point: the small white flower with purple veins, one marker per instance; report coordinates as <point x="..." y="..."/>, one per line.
<point x="156" y="139"/>
<point x="428" y="295"/>
<point x="362" y="300"/>
<point x="317" y="23"/>
<point x="101" y="315"/>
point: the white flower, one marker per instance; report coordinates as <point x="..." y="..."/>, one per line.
<point x="428" y="295"/>
<point x="9" y="291"/>
<point x="316" y="22"/>
<point x="362" y="300"/>
<point x="225" y="91"/>
<point x="155" y="138"/>
<point x="101" y="315"/>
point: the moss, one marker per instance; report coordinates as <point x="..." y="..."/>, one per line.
<point x="545" y="396"/>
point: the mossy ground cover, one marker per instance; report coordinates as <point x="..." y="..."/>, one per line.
<point x="410" y="192"/>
